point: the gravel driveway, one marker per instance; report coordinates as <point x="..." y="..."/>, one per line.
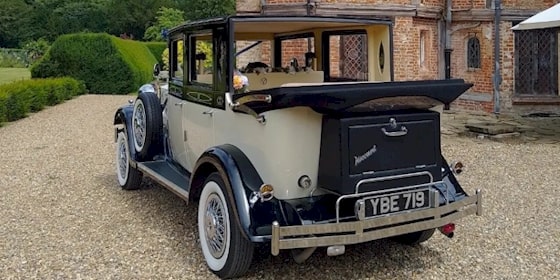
<point x="63" y="216"/>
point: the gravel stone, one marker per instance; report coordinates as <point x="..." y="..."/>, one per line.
<point x="63" y="215"/>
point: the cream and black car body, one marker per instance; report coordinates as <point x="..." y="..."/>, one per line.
<point x="304" y="155"/>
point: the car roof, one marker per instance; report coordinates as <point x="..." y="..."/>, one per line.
<point x="276" y="24"/>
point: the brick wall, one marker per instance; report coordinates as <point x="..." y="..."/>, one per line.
<point x="294" y="48"/>
<point x="407" y="33"/>
<point x="407" y="36"/>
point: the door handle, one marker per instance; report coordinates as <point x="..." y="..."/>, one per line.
<point x="180" y="103"/>
<point x="209" y="112"/>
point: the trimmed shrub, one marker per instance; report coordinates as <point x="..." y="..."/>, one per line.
<point x="157" y="49"/>
<point x="21" y="97"/>
<point x="106" y="64"/>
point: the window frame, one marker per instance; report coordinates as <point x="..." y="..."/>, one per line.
<point x="471" y="59"/>
<point x="535" y="54"/>
<point x="325" y="48"/>
<point x="277" y="45"/>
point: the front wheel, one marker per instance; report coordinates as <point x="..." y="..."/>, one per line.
<point x="227" y="253"/>
<point x="129" y="178"/>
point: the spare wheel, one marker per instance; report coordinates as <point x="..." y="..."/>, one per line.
<point x="147" y="125"/>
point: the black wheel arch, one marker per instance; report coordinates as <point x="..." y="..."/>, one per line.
<point x="123" y="116"/>
<point x="240" y="176"/>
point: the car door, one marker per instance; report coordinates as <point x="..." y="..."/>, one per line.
<point x="199" y="93"/>
<point x="176" y="102"/>
<point x="177" y="134"/>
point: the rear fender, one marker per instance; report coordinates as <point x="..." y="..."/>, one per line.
<point x="123" y="117"/>
<point x="242" y="181"/>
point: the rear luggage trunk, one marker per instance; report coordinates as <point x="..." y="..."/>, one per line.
<point x="357" y="148"/>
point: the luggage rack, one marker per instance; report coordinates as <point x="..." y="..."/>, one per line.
<point x="433" y="196"/>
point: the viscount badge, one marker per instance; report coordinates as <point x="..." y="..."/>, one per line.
<point x="366" y="155"/>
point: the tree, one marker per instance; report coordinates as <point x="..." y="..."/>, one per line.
<point x="79" y="16"/>
<point x="165" y="19"/>
<point x="133" y="16"/>
<point x="12" y="14"/>
<point x="200" y="9"/>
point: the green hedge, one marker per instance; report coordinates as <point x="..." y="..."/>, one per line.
<point x="21" y="97"/>
<point x="157" y="49"/>
<point x="106" y="64"/>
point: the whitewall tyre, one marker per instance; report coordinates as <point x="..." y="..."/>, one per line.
<point x="129" y="178"/>
<point x="227" y="252"/>
<point x="147" y="125"/>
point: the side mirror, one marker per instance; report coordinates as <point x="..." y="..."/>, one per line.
<point x="157" y="69"/>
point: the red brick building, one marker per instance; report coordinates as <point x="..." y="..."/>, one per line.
<point x="424" y="29"/>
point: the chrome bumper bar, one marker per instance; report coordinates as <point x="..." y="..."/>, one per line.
<point x="345" y="233"/>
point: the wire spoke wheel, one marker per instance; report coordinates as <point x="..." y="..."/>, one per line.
<point x="139" y="125"/>
<point x="216" y="228"/>
<point x="226" y="251"/>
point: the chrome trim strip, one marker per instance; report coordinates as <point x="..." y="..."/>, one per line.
<point x="479" y="202"/>
<point x="254" y="98"/>
<point x="291" y="237"/>
<point x="238" y="105"/>
<point x="372" y="235"/>
<point x="393" y="177"/>
<point x="274" y="246"/>
<point x="163" y="181"/>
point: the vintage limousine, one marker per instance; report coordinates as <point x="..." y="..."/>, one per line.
<point x="293" y="149"/>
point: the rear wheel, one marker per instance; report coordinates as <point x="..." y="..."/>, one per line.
<point x="129" y="178"/>
<point x="414" y="238"/>
<point x="227" y="253"/>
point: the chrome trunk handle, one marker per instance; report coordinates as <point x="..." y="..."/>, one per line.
<point x="397" y="133"/>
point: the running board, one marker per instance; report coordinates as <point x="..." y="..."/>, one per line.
<point x="169" y="176"/>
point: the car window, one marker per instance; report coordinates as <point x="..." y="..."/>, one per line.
<point x="177" y="68"/>
<point x="201" y="59"/>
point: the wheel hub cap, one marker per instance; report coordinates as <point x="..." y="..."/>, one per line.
<point x="122" y="159"/>
<point x="139" y="124"/>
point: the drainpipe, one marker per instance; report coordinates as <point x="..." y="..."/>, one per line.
<point x="447" y="44"/>
<point x="497" y="77"/>
<point x="263" y="4"/>
<point x="308" y="12"/>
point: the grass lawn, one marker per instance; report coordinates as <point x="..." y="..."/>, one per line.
<point x="12" y="74"/>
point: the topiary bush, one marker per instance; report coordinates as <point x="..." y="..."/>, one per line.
<point x="19" y="98"/>
<point x="157" y="49"/>
<point x="106" y="64"/>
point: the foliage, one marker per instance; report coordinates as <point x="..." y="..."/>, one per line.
<point x="28" y="20"/>
<point x="78" y="17"/>
<point x="19" y="98"/>
<point x="201" y="47"/>
<point x="36" y="49"/>
<point x="157" y="49"/>
<point x="11" y="15"/>
<point x="133" y="16"/>
<point x="8" y="75"/>
<point x="202" y="9"/>
<point x="105" y="63"/>
<point x="13" y="58"/>
<point x="166" y="18"/>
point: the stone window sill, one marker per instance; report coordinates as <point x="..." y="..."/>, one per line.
<point x="536" y="100"/>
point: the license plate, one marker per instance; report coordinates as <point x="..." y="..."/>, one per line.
<point x="392" y="203"/>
